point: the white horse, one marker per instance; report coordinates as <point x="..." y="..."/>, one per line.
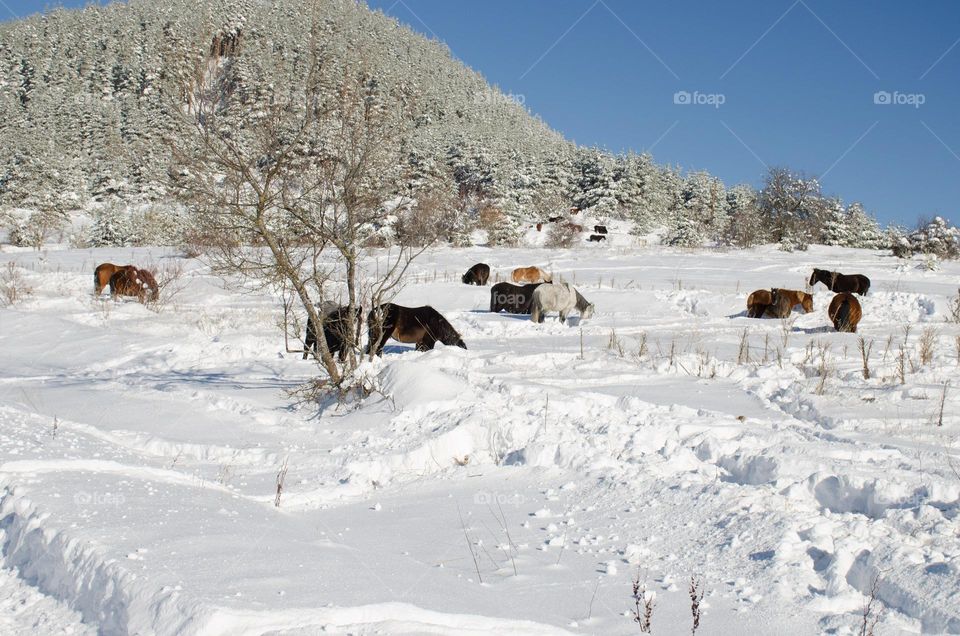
<point x="561" y="297"/>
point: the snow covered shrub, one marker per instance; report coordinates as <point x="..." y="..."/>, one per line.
<point x="111" y="227"/>
<point x="502" y="230"/>
<point x="793" y="243"/>
<point x="685" y="232"/>
<point x="433" y="216"/>
<point x="954" y="307"/>
<point x="936" y="237"/>
<point x="13" y="288"/>
<point x="155" y="225"/>
<point x="561" y="234"/>
<point x="34" y="228"/>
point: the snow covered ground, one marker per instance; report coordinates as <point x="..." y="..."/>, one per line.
<point x="139" y="454"/>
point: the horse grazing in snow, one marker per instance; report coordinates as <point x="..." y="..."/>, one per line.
<point x="477" y="275"/>
<point x="845" y="312"/>
<point x="102" y="274"/>
<point x="421" y="325"/>
<point x="513" y="299"/>
<point x="841" y="283"/>
<point x="559" y="297"/>
<point x="133" y="281"/>
<point x="531" y="274"/>
<point x="335" y="319"/>
<point x="777" y="303"/>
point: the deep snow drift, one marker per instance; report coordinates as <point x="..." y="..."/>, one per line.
<point x="669" y="436"/>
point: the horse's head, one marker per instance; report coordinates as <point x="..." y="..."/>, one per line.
<point x="814" y="277"/>
<point x="465" y="279"/>
<point x="587" y="312"/>
<point x="806" y="301"/>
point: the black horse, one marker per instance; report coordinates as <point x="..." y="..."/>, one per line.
<point x="477" y="275"/>
<point x="841" y="283"/>
<point x="421" y="325"/>
<point x="334" y="330"/>
<point x="513" y="299"/>
<point x="600" y="229"/>
<point x="596" y="238"/>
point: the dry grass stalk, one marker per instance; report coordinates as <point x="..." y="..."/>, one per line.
<point x="643" y="604"/>
<point x="281" y="477"/>
<point x="926" y="345"/>
<point x="865" y="350"/>
<point x="743" y="355"/>
<point x="871" y="616"/>
<point x="696" y="596"/>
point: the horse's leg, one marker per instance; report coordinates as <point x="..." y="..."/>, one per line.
<point x="563" y="316"/>
<point x="426" y="342"/>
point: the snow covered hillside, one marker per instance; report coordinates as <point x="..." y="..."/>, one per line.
<point x="515" y="487"/>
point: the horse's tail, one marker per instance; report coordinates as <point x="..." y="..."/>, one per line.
<point x="842" y="320"/>
<point x="96" y="283"/>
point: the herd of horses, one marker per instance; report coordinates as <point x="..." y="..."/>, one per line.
<point x="126" y="280"/>
<point x="844" y="309"/>
<point x="425" y="326"/>
<point x="533" y="292"/>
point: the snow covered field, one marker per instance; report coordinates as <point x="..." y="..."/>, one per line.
<point x="139" y="454"/>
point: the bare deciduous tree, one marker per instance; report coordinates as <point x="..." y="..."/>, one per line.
<point x="287" y="161"/>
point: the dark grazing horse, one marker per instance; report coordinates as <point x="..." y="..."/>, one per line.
<point x="596" y="238"/>
<point x="421" y="325"/>
<point x="600" y="229"/>
<point x="513" y="299"/>
<point x="133" y="281"/>
<point x="335" y="319"/>
<point x="845" y="312"/>
<point x="477" y="275"/>
<point x="837" y="282"/>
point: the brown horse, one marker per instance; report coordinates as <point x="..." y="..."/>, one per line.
<point x="777" y="303"/>
<point x="101" y="276"/>
<point x="758" y="302"/>
<point x="421" y="325"/>
<point x="531" y="274"/>
<point x="132" y="281"/>
<point x="845" y="312"/>
<point x="841" y="283"/>
<point x="796" y="297"/>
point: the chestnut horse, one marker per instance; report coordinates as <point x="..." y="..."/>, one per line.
<point x="777" y="303"/>
<point x="421" y="325"/>
<point x="845" y="312"/>
<point x="530" y="275"/>
<point x="132" y="281"/>
<point x="101" y="276"/>
<point x="837" y="282"/>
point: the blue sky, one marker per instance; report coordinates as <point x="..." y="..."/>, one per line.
<point x="797" y="80"/>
